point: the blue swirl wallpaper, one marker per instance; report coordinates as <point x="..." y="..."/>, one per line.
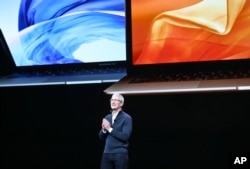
<point x="65" y="31"/>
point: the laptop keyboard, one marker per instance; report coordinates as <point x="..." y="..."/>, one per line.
<point x="71" y="72"/>
<point x="169" y="77"/>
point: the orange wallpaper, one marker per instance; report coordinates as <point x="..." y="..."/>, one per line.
<point x="190" y="30"/>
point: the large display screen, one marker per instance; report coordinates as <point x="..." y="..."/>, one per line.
<point x="48" y="32"/>
<point x="189" y="30"/>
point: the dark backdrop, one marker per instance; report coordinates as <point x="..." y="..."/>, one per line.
<point x="57" y="127"/>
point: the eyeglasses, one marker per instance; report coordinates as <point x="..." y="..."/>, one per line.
<point x="115" y="100"/>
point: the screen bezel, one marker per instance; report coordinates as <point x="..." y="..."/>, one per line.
<point x="108" y="63"/>
<point x="235" y="64"/>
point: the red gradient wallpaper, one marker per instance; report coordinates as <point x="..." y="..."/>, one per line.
<point x="189" y="30"/>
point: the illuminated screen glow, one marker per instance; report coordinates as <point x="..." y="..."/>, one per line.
<point x="52" y="32"/>
<point x="189" y="30"/>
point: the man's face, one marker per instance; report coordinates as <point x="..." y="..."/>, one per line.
<point x="115" y="103"/>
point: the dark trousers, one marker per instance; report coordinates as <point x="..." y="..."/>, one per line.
<point x="114" y="161"/>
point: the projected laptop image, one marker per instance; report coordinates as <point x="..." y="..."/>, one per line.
<point x="72" y="42"/>
<point x="192" y="46"/>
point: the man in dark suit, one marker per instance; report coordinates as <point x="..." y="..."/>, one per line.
<point x="116" y="131"/>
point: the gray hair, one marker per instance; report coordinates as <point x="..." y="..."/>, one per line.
<point x="121" y="98"/>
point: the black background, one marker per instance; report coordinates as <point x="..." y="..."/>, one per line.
<point x="57" y="127"/>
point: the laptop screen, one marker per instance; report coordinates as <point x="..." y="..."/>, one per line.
<point x="189" y="31"/>
<point x="56" y="32"/>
